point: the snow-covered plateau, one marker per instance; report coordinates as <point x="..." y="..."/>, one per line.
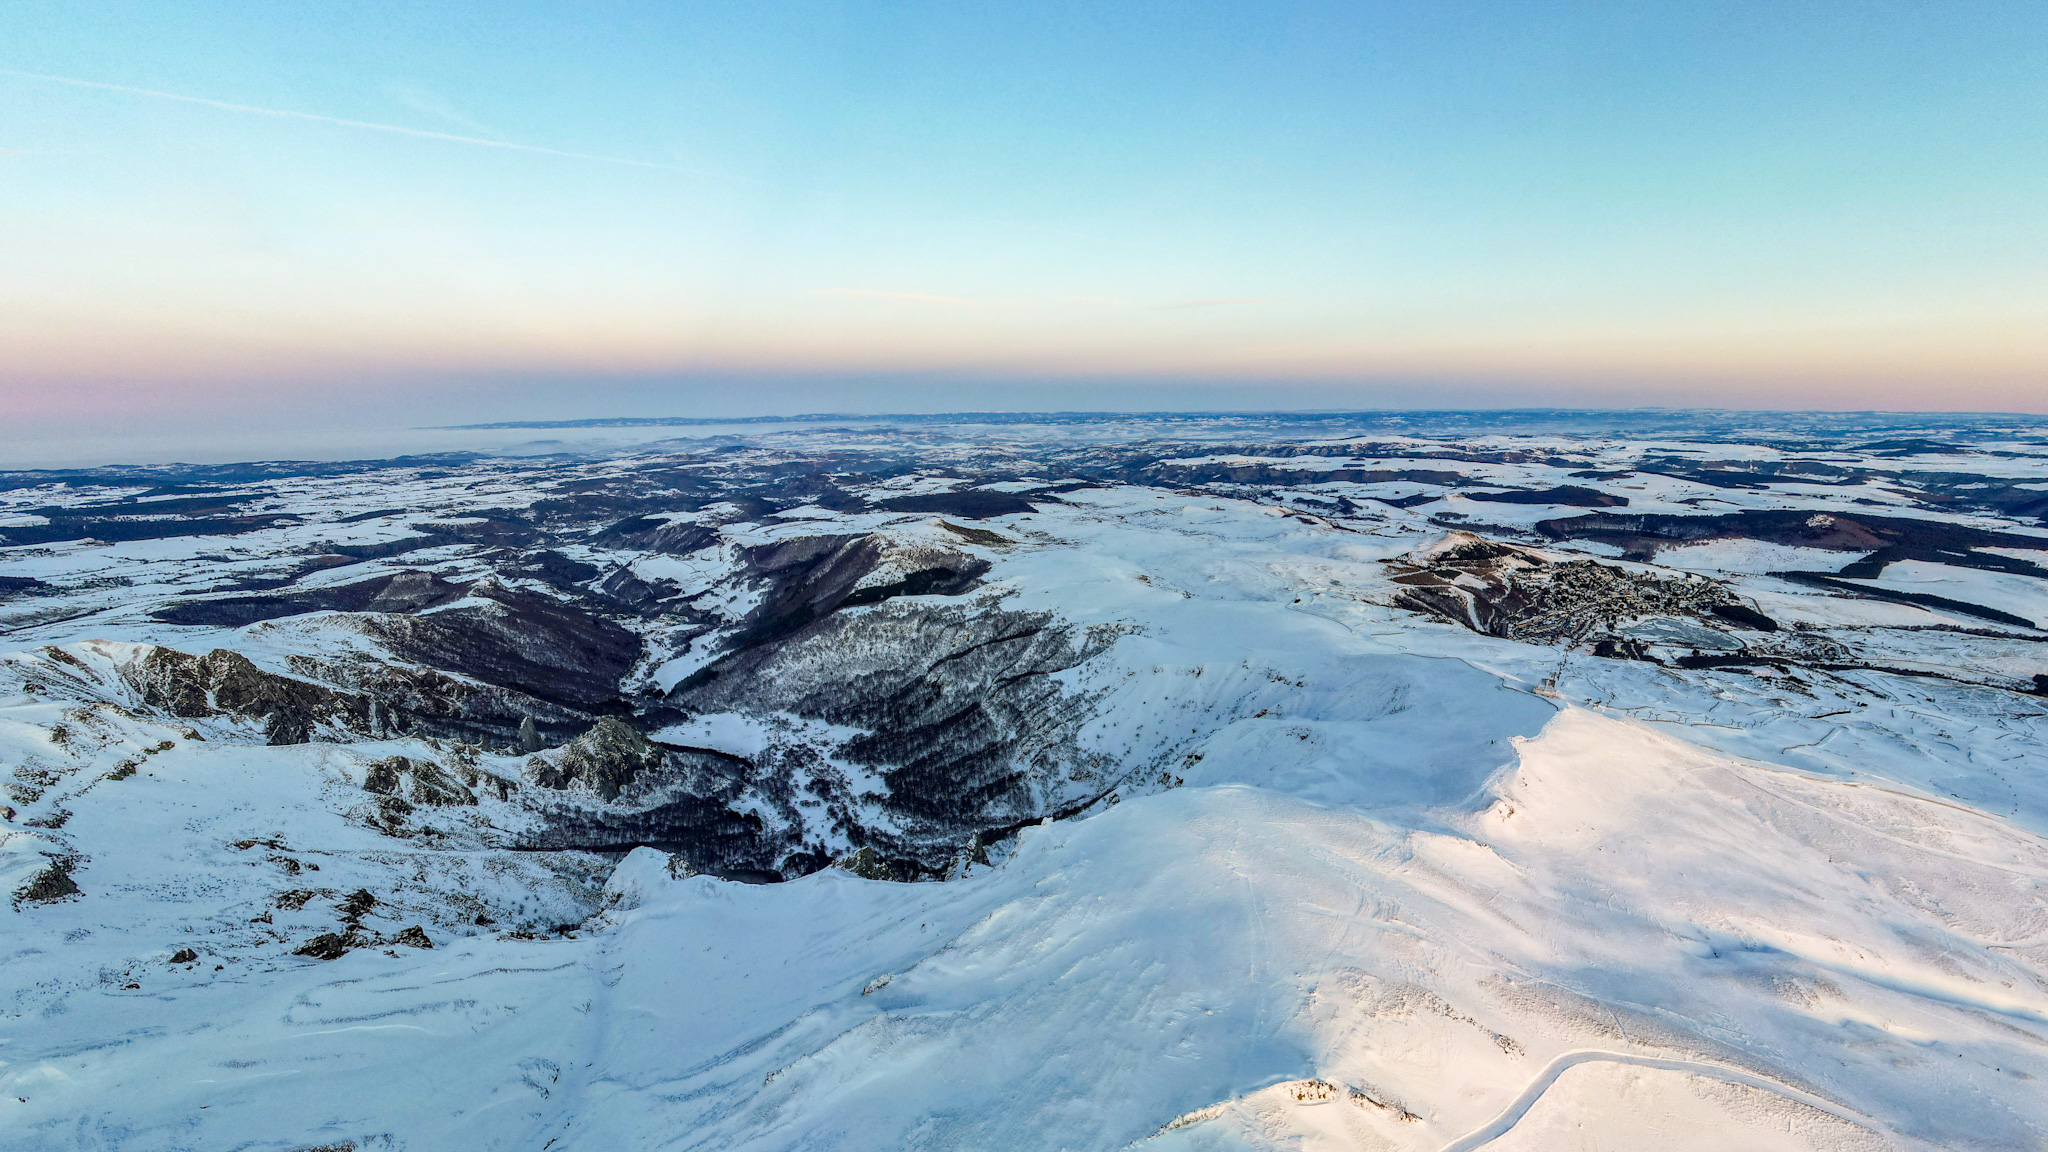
<point x="1156" y="784"/>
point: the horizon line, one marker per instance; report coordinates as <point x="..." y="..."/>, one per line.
<point x="1022" y="415"/>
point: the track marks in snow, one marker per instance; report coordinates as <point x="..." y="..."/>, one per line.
<point x="1519" y="1107"/>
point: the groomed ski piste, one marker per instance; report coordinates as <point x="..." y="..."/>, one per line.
<point x="1272" y="855"/>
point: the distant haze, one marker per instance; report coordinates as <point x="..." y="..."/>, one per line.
<point x="243" y="221"/>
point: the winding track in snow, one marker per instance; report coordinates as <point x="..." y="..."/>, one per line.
<point x="1512" y="1115"/>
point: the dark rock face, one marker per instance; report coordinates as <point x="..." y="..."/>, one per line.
<point x="431" y="703"/>
<point x="612" y="789"/>
<point x="605" y="759"/>
<point x="392" y="812"/>
<point x="866" y="865"/>
<point x="385" y="776"/>
<point x="430" y="785"/>
<point x="52" y="884"/>
<point x="375" y="699"/>
<point x="225" y="682"/>
<point x="326" y="946"/>
<point x="356" y="905"/>
<point x="675" y="799"/>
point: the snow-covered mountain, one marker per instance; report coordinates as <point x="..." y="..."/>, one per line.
<point x="1162" y="783"/>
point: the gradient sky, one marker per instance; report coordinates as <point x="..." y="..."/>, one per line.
<point x="719" y="209"/>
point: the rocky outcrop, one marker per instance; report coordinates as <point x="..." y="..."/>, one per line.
<point x="429" y="785"/>
<point x="1503" y="590"/>
<point x="52" y="884"/>
<point x="681" y="803"/>
<point x="605" y="759"/>
<point x="225" y="683"/>
<point x="327" y="946"/>
<point x="427" y="702"/>
<point x="340" y="698"/>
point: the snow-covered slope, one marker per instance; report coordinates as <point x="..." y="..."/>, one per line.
<point x="1184" y="799"/>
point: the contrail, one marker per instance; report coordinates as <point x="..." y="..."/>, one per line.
<point x="316" y="117"/>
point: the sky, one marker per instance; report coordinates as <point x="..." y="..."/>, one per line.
<point x="253" y="215"/>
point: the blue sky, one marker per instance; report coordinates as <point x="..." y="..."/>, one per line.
<point x="882" y="206"/>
